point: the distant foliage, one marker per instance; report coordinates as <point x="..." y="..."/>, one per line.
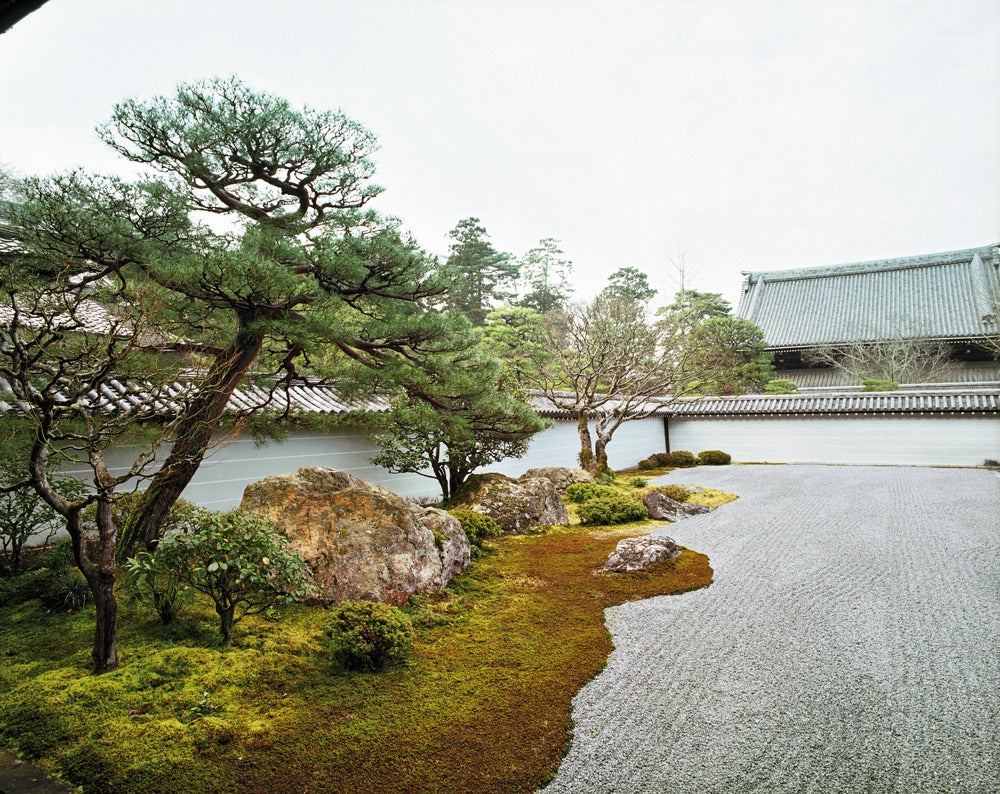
<point x="714" y="457"/>
<point x="638" y="482"/>
<point x="871" y="384"/>
<point x="581" y="492"/>
<point x="616" y="509"/>
<point x="368" y="635"/>
<point x="781" y="386"/>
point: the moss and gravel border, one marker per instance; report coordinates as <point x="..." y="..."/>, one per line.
<point x="483" y="704"/>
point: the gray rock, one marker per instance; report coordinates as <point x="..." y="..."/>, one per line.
<point x="361" y="541"/>
<point x="637" y="554"/>
<point x="662" y="508"/>
<point x="560" y="476"/>
<point x="518" y="506"/>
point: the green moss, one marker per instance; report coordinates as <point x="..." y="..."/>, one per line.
<point x="482" y="705"/>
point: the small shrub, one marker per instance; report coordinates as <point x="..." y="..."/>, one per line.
<point x="676" y="492"/>
<point x="657" y="460"/>
<point x="581" y="492"/>
<point x="239" y="560"/>
<point x="477" y="527"/>
<point x="158" y="585"/>
<point x="616" y="509"/>
<point x="368" y="635"/>
<point x="682" y="459"/>
<point x="714" y="457"/>
<point x="68" y="593"/>
<point x="646" y="464"/>
<point x="605" y="477"/>
<point x="638" y="482"/>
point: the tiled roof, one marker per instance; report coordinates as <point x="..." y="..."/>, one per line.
<point x="930" y="401"/>
<point x="937" y="296"/>
<point x="118" y="396"/>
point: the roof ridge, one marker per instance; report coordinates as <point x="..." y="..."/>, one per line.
<point x="874" y="265"/>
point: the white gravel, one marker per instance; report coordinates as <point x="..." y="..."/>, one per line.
<point x="849" y="643"/>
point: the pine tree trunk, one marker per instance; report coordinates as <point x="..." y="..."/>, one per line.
<point x="197" y="426"/>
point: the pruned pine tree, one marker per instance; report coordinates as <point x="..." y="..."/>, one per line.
<point x="488" y="420"/>
<point x="293" y="263"/>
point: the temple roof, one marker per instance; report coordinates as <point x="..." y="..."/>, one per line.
<point x="942" y="296"/>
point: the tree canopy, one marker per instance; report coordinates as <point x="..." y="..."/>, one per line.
<point x="481" y="277"/>
<point x="545" y="274"/>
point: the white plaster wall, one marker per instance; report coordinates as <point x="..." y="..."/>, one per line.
<point x="947" y="440"/>
<point x="235" y="463"/>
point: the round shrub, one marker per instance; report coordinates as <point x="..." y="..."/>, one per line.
<point x="714" y="457"/>
<point x="368" y="635"/>
<point x="682" y="459"/>
<point x="646" y="464"/>
<point x="477" y="527"/>
<point x="638" y="482"/>
<point x="615" y="509"/>
<point x="676" y="492"/>
<point x="581" y="492"/>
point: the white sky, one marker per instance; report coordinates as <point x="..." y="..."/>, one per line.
<point x="749" y="134"/>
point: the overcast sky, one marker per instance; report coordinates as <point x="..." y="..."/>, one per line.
<point x="735" y="134"/>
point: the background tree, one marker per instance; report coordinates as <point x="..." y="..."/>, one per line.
<point x="545" y="275"/>
<point x="728" y="356"/>
<point x="487" y="420"/>
<point x="629" y="283"/>
<point x="690" y="307"/>
<point x="480" y="276"/>
<point x="891" y="361"/>
<point x="60" y="359"/>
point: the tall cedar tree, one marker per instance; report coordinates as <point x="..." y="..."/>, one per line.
<point x="480" y="276"/>
<point x="545" y="276"/>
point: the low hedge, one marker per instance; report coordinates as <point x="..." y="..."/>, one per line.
<point x="615" y="509"/>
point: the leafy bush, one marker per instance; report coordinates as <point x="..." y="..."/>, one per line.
<point x="149" y="581"/>
<point x="657" y="460"/>
<point x="58" y="556"/>
<point x="605" y="477"/>
<point x="714" y="457"/>
<point x="615" y="509"/>
<point x="682" y="459"/>
<point x="239" y="560"/>
<point x="68" y="593"/>
<point x="477" y="527"/>
<point x="368" y="635"/>
<point x="580" y="492"/>
<point x="781" y="386"/>
<point x="638" y="482"/>
<point x="676" y="492"/>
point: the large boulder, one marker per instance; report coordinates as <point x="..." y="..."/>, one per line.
<point x="637" y="554"/>
<point x="561" y="477"/>
<point x="662" y="508"/>
<point x="518" y="506"/>
<point x="361" y="541"/>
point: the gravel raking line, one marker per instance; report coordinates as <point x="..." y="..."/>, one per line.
<point x="849" y="643"/>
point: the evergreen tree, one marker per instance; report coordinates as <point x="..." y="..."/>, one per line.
<point x="545" y="274"/>
<point x="480" y="276"/>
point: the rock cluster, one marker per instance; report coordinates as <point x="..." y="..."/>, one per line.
<point x="518" y="506"/>
<point x="662" y="508"/>
<point x="361" y="541"/>
<point x="560" y="476"/>
<point x="637" y="554"/>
